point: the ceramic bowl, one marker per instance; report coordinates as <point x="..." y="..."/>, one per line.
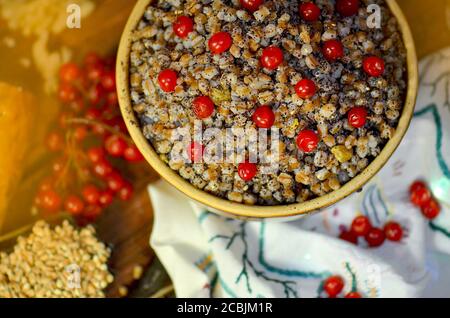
<point x="239" y="210"/>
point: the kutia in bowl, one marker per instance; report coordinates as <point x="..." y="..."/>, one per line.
<point x="320" y="94"/>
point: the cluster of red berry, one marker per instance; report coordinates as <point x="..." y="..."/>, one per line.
<point x="334" y="285"/>
<point x="422" y="197"/>
<point x="272" y="57"/>
<point x="362" y="227"/>
<point x="90" y="135"/>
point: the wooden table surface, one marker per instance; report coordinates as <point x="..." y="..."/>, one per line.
<point x="429" y="22"/>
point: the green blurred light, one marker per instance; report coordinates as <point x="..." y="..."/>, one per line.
<point x="441" y="189"/>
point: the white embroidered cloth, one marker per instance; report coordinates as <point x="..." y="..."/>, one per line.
<point x="211" y="256"/>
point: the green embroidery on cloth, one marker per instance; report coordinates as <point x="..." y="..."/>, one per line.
<point x="432" y="108"/>
<point x="353" y="275"/>
<point x="373" y="199"/>
<point x="240" y="235"/>
<point x="437" y="228"/>
<point x="283" y="271"/>
<point x="439" y="136"/>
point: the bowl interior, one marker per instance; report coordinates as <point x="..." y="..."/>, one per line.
<point x="239" y="210"/>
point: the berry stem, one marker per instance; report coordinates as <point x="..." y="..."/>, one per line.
<point x="91" y="122"/>
<point x="61" y="179"/>
<point x="22" y="230"/>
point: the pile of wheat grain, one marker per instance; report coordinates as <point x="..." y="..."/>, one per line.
<point x="61" y="262"/>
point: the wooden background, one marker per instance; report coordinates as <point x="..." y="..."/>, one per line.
<point x="127" y="228"/>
